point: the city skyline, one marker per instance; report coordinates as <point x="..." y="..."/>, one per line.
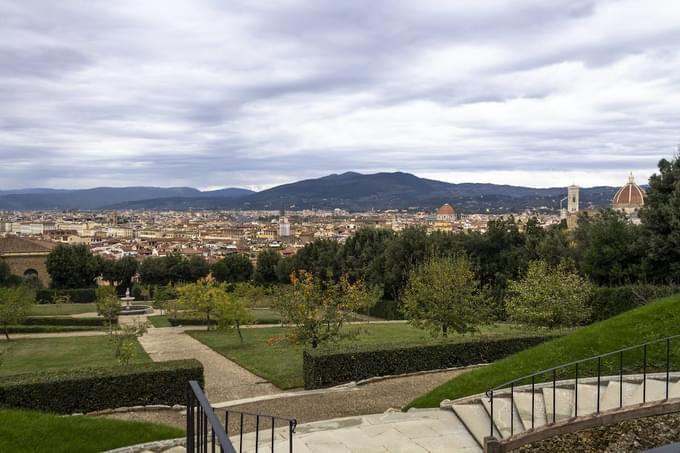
<point x="254" y="95"/>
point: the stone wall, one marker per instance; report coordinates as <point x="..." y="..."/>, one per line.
<point x="19" y="264"/>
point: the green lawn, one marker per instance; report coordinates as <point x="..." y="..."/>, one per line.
<point x="262" y="316"/>
<point x="650" y="322"/>
<point x="31" y="355"/>
<point x="281" y="362"/>
<point x="37" y="432"/>
<point x="62" y="309"/>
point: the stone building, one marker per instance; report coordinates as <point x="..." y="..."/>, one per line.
<point x="26" y="258"/>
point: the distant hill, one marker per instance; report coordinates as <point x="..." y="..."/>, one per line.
<point x="355" y="192"/>
<point x="101" y="197"/>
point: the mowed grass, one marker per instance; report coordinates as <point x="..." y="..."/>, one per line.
<point x="266" y="353"/>
<point x="651" y="322"/>
<point x="261" y="315"/>
<point x="62" y="309"/>
<point x="31" y="355"/>
<point x="37" y="432"/>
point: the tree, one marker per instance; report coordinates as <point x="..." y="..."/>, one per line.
<point x="443" y="294"/>
<point x="320" y="258"/>
<point x="15" y="305"/>
<point x="661" y="221"/>
<point x="72" y="266"/>
<point x="318" y="308"/>
<point x="363" y="255"/>
<point x="108" y="305"/>
<point x="198" y="268"/>
<point x="402" y="254"/>
<point x="124" y="341"/>
<point x="120" y="272"/>
<point x="203" y="297"/>
<point x="6" y="276"/>
<point x="609" y="249"/>
<point x="284" y="268"/>
<point x="265" y="269"/>
<point x="549" y="296"/>
<point x="233" y="268"/>
<point x="233" y="311"/>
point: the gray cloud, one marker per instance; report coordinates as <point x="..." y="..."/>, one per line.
<point x="212" y="94"/>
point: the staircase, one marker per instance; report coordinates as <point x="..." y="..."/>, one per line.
<point x="530" y="403"/>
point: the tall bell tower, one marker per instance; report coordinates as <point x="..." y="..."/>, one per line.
<point x="572" y="203"/>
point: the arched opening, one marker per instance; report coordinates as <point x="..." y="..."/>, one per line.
<point x="30" y="273"/>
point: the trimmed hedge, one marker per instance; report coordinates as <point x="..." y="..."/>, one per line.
<point x="64" y="321"/>
<point x="607" y="302"/>
<point x="77" y="296"/>
<point x="174" y="322"/>
<point x="325" y="368"/>
<point x="92" y="389"/>
<point x="49" y="329"/>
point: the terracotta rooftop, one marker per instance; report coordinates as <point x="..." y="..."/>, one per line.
<point x="629" y="195"/>
<point x="21" y="245"/>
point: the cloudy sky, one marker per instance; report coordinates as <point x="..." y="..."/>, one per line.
<point x="214" y="93"/>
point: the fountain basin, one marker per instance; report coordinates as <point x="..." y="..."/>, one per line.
<point x="136" y="310"/>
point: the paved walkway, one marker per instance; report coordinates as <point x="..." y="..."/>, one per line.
<point x="225" y="380"/>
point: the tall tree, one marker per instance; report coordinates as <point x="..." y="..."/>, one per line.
<point x="363" y="255"/>
<point x="265" y="268"/>
<point x="72" y="266"/>
<point x="233" y="268"/>
<point x="403" y="253"/>
<point x="661" y="220"/>
<point x="443" y="294"/>
<point x="320" y="258"/>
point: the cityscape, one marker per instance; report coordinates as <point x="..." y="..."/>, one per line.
<point x="339" y="227"/>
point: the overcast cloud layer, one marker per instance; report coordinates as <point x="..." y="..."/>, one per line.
<point x="211" y="93"/>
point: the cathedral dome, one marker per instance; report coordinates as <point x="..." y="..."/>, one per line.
<point x="447" y="209"/>
<point x="630" y="196"/>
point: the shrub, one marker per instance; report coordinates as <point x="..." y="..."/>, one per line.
<point x="385" y="309"/>
<point x="63" y="321"/>
<point x="92" y="389"/>
<point x="324" y="367"/>
<point x="606" y="302"/>
<point x="49" y="329"/>
<point x="76" y="296"/>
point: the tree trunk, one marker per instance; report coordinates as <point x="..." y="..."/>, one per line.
<point x="238" y="329"/>
<point x="445" y="330"/>
<point x="6" y="332"/>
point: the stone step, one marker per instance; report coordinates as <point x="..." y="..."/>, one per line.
<point x="503" y="409"/>
<point x="523" y="405"/>
<point x="587" y="399"/>
<point x="476" y="420"/>
<point x="611" y="398"/>
<point x="564" y="403"/>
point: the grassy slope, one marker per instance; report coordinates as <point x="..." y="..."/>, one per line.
<point x="31" y="355"/>
<point x="62" y="309"/>
<point x="650" y="322"/>
<point x="281" y="362"/>
<point x="35" y="432"/>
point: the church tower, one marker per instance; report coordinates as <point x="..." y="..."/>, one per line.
<point x="572" y="203"/>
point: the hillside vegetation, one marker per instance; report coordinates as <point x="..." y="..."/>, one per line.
<point x="656" y="320"/>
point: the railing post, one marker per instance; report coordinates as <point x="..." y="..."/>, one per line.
<point x="240" y="438"/>
<point x="273" y="422"/>
<point x="554" y="401"/>
<point x="190" y="421"/>
<point x="533" y="397"/>
<point x="512" y="402"/>
<point x="668" y="364"/>
<point x="599" y="366"/>
<point x="644" y="374"/>
<point x="291" y="430"/>
<point x="576" y="391"/>
<point x="257" y="432"/>
<point x="491" y="417"/>
<point x="620" y="379"/>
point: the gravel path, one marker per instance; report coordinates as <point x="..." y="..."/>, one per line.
<point x="225" y="380"/>
<point x="372" y="398"/>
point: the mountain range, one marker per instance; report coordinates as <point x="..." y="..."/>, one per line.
<point x="351" y="191"/>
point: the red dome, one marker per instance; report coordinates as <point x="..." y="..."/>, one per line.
<point x="447" y="209"/>
<point x="629" y="196"/>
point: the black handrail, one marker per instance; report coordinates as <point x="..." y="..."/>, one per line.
<point x="290" y="422"/>
<point x="512" y="384"/>
<point x="200" y="414"/>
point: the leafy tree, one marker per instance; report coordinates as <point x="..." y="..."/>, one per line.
<point x="6" y="276"/>
<point x="152" y="271"/>
<point x="108" y="305"/>
<point x="363" y="255"/>
<point x="204" y="297"/>
<point x="443" y="294"/>
<point x="318" y="308"/>
<point x="72" y="266"/>
<point x="198" y="268"/>
<point x="15" y="305"/>
<point x="403" y="253"/>
<point x="609" y="249"/>
<point x="265" y="269"/>
<point x="549" y="296"/>
<point x="233" y="311"/>
<point x="661" y="221"/>
<point x="173" y="268"/>
<point x="120" y="272"/>
<point x="320" y="258"/>
<point x="124" y="341"/>
<point x="284" y="268"/>
<point x="233" y="268"/>
<point x="163" y="296"/>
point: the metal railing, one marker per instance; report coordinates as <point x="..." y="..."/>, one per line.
<point x="206" y="432"/>
<point x="656" y="357"/>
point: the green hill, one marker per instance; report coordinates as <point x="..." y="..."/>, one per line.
<point x="653" y="321"/>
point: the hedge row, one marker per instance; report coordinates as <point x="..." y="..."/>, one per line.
<point x="202" y="322"/>
<point x="48" y="329"/>
<point x="607" y="302"/>
<point x="92" y="389"/>
<point x="325" y="368"/>
<point x="76" y="296"/>
<point x="64" y="321"/>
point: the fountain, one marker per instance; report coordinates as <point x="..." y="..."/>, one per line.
<point x="129" y="309"/>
